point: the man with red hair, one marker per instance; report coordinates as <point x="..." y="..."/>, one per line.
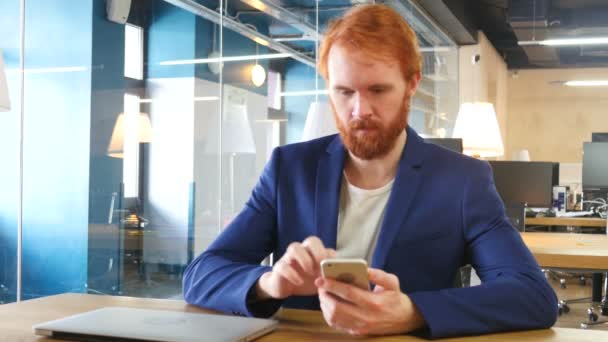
<point x="376" y="191"/>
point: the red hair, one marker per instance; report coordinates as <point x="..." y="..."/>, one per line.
<point x="377" y="31"/>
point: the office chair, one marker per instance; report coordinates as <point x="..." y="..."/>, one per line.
<point x="592" y="317"/>
<point x="516" y="212"/>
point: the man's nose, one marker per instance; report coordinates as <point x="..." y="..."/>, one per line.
<point x="361" y="107"/>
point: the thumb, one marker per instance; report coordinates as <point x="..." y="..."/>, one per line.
<point x="331" y="253"/>
<point x="387" y="281"/>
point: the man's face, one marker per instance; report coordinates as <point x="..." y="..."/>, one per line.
<point x="370" y="99"/>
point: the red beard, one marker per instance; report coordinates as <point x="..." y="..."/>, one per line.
<point x="376" y="141"/>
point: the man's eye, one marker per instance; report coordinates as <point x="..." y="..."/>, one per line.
<point x="346" y="92"/>
<point x="377" y="90"/>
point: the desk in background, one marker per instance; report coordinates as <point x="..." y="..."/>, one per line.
<point x="594" y="222"/>
<point x="587" y="252"/>
<point x="16" y="321"/>
<point x="578" y="252"/>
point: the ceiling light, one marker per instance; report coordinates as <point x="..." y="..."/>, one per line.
<point x="258" y="75"/>
<point x="54" y="70"/>
<point x="194" y="99"/>
<point x="437" y="49"/>
<point x="587" y="83"/>
<point x="227" y="59"/>
<point x="304" y="93"/>
<point x="566" y="41"/>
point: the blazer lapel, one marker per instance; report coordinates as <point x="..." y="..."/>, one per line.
<point x="327" y="192"/>
<point x="404" y="190"/>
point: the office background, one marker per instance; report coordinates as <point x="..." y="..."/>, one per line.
<point x="128" y="146"/>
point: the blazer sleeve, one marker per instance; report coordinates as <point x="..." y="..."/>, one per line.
<point x="222" y="276"/>
<point x="513" y="295"/>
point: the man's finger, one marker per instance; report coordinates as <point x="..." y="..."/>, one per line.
<point x="331" y="253"/>
<point x="340" y="314"/>
<point x="315" y="248"/>
<point x="285" y="271"/>
<point x="387" y="281"/>
<point x="297" y="253"/>
<point x="378" y="288"/>
<point x="344" y="291"/>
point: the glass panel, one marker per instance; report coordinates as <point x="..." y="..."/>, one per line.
<point x="9" y="146"/>
<point x="181" y="200"/>
<point x="435" y="105"/>
<point x="136" y="175"/>
<point x="57" y="122"/>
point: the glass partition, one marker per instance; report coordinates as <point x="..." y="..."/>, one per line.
<point x="10" y="56"/>
<point x="144" y="138"/>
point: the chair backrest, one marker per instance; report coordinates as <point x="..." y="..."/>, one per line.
<point x="517" y="215"/>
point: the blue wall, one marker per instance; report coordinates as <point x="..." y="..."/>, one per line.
<point x="9" y="152"/>
<point x="56" y="150"/>
<point x="171" y="36"/>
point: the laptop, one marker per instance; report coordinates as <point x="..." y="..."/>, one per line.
<point x="130" y="324"/>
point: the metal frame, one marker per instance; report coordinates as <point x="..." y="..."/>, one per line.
<point x="286" y="16"/>
<point x="227" y="22"/>
<point x="21" y="122"/>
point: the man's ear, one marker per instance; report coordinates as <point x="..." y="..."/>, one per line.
<point x="412" y="84"/>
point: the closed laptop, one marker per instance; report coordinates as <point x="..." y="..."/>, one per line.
<point x="130" y="324"/>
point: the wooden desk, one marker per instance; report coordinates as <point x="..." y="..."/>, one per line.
<point x="16" y="321"/>
<point x="595" y="222"/>
<point x="569" y="251"/>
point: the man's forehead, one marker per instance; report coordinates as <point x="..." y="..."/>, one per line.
<point x="340" y="54"/>
<point x="348" y="68"/>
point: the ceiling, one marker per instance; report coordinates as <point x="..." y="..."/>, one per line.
<point x="507" y="22"/>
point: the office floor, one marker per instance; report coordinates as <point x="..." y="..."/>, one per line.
<point x="156" y="284"/>
<point x="578" y="311"/>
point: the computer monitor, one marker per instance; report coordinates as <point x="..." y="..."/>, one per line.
<point x="526" y="182"/>
<point x="599" y="137"/>
<point x="454" y="144"/>
<point x="595" y="166"/>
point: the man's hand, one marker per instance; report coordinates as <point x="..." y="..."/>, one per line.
<point x="296" y="271"/>
<point x="384" y="311"/>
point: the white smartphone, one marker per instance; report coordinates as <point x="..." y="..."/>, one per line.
<point x="351" y="271"/>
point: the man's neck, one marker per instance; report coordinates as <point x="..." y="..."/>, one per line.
<point x="377" y="172"/>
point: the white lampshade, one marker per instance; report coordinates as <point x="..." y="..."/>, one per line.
<point x="477" y="126"/>
<point x="5" y="104"/>
<point x="521" y="155"/>
<point x="236" y="131"/>
<point x="215" y="67"/>
<point x="122" y="126"/>
<point x="319" y="122"/>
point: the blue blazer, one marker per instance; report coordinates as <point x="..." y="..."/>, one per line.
<point x="443" y="212"/>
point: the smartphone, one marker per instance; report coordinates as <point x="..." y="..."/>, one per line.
<point x="351" y="271"/>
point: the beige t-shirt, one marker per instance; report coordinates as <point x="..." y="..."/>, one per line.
<point x="359" y="219"/>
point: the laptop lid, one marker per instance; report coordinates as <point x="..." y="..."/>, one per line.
<point x="130" y="324"/>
